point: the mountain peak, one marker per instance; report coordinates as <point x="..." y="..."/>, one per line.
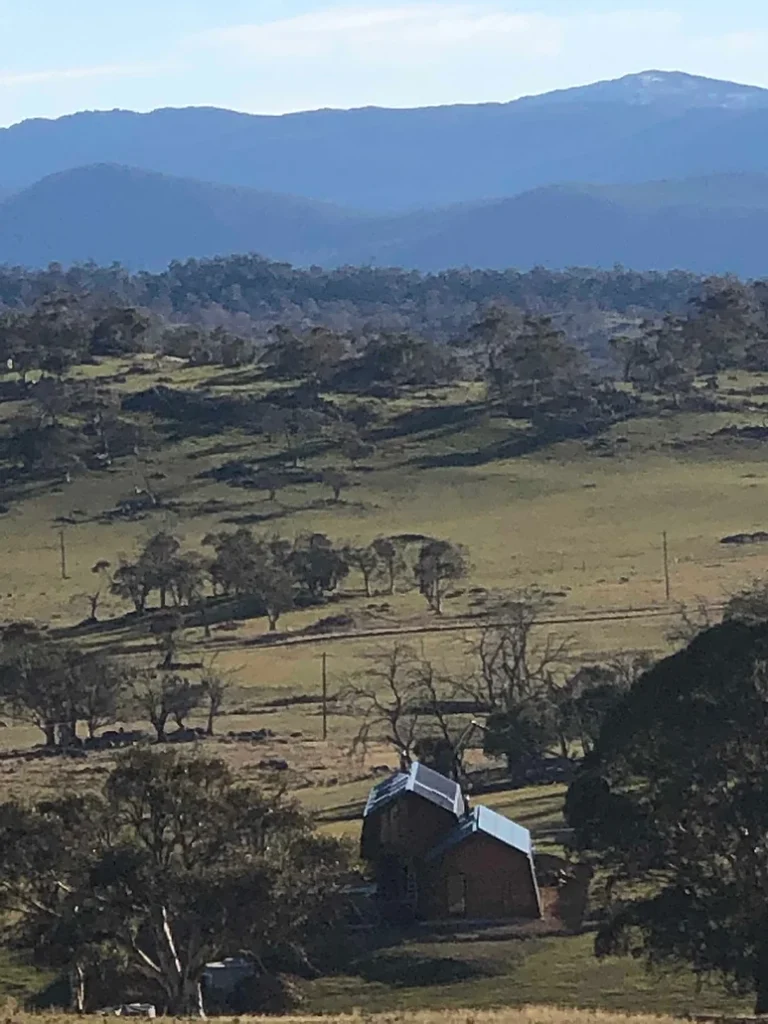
<point x="675" y="89"/>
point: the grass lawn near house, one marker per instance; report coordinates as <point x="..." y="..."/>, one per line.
<point x="511" y="972"/>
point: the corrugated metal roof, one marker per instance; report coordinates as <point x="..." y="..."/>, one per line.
<point x="422" y="781"/>
<point x="384" y="792"/>
<point x="483" y="819"/>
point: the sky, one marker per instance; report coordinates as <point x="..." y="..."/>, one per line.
<point x="275" y="56"/>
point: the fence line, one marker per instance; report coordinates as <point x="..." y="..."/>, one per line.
<point x="459" y="626"/>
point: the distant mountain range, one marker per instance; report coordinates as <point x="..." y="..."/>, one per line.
<point x="676" y="169"/>
<point x="144" y="220"/>
<point x="643" y="127"/>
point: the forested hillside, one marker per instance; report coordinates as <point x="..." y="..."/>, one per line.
<point x="248" y="296"/>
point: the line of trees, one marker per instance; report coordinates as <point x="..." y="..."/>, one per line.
<point x="279" y="574"/>
<point x="66" y="426"/>
<point x="248" y="295"/>
<point x="63" y="328"/>
<point x="56" y="686"/>
<point x="724" y="328"/>
<point x="532" y="369"/>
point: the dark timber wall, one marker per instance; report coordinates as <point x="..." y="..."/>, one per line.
<point x="408" y="826"/>
<point x="481" y="879"/>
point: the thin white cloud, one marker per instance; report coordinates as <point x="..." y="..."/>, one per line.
<point x="392" y="34"/>
<point x="12" y="79"/>
<point x="431" y="53"/>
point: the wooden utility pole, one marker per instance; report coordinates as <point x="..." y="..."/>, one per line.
<point x="325" y="696"/>
<point x="63" y="553"/>
<point x="667" y="585"/>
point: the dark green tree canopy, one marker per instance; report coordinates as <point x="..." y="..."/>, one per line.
<point x="172" y="865"/>
<point x="673" y="804"/>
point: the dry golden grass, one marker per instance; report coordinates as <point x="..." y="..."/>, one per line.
<point x="578" y="525"/>
<point x="575" y="524"/>
<point x="10" y="1014"/>
<point x="321" y="774"/>
<point x="565" y="519"/>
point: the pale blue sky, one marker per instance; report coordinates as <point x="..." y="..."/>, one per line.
<point x="271" y="56"/>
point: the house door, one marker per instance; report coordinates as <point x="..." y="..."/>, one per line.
<point x="398" y="889"/>
<point x="410" y="886"/>
<point x="456" y="885"/>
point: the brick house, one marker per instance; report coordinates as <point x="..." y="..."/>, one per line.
<point x="435" y="859"/>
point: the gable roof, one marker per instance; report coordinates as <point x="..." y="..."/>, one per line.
<point x="484" y="820"/>
<point x="421" y="781"/>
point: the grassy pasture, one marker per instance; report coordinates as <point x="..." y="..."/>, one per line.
<point x="565" y="519"/>
<point x="470" y="978"/>
<point x="580" y="521"/>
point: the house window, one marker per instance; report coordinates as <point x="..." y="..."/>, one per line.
<point x="457" y="895"/>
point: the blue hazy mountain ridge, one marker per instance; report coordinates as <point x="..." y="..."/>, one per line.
<point x="642" y="127"/>
<point x="144" y="220"/>
<point x="107" y="213"/>
<point x="646" y="227"/>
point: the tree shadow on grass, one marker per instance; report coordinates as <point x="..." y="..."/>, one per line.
<point x="447" y="418"/>
<point x="415" y="970"/>
<point x="286" y="511"/>
<point x="510" y="448"/>
<point x="352" y="811"/>
<point x="53" y="996"/>
<point x="220" y="448"/>
<point x="259" y="518"/>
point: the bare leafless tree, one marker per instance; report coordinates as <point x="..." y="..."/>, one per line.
<point x="515" y="660"/>
<point x="404" y="700"/>
<point x="387" y="699"/>
<point x="442" y="728"/>
<point x="214" y="688"/>
<point x="690" y="622"/>
<point x="90" y="600"/>
<point x="627" y="668"/>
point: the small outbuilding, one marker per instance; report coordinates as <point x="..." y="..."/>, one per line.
<point x="483" y="870"/>
<point x="405" y="817"/>
<point x="434" y="859"/>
